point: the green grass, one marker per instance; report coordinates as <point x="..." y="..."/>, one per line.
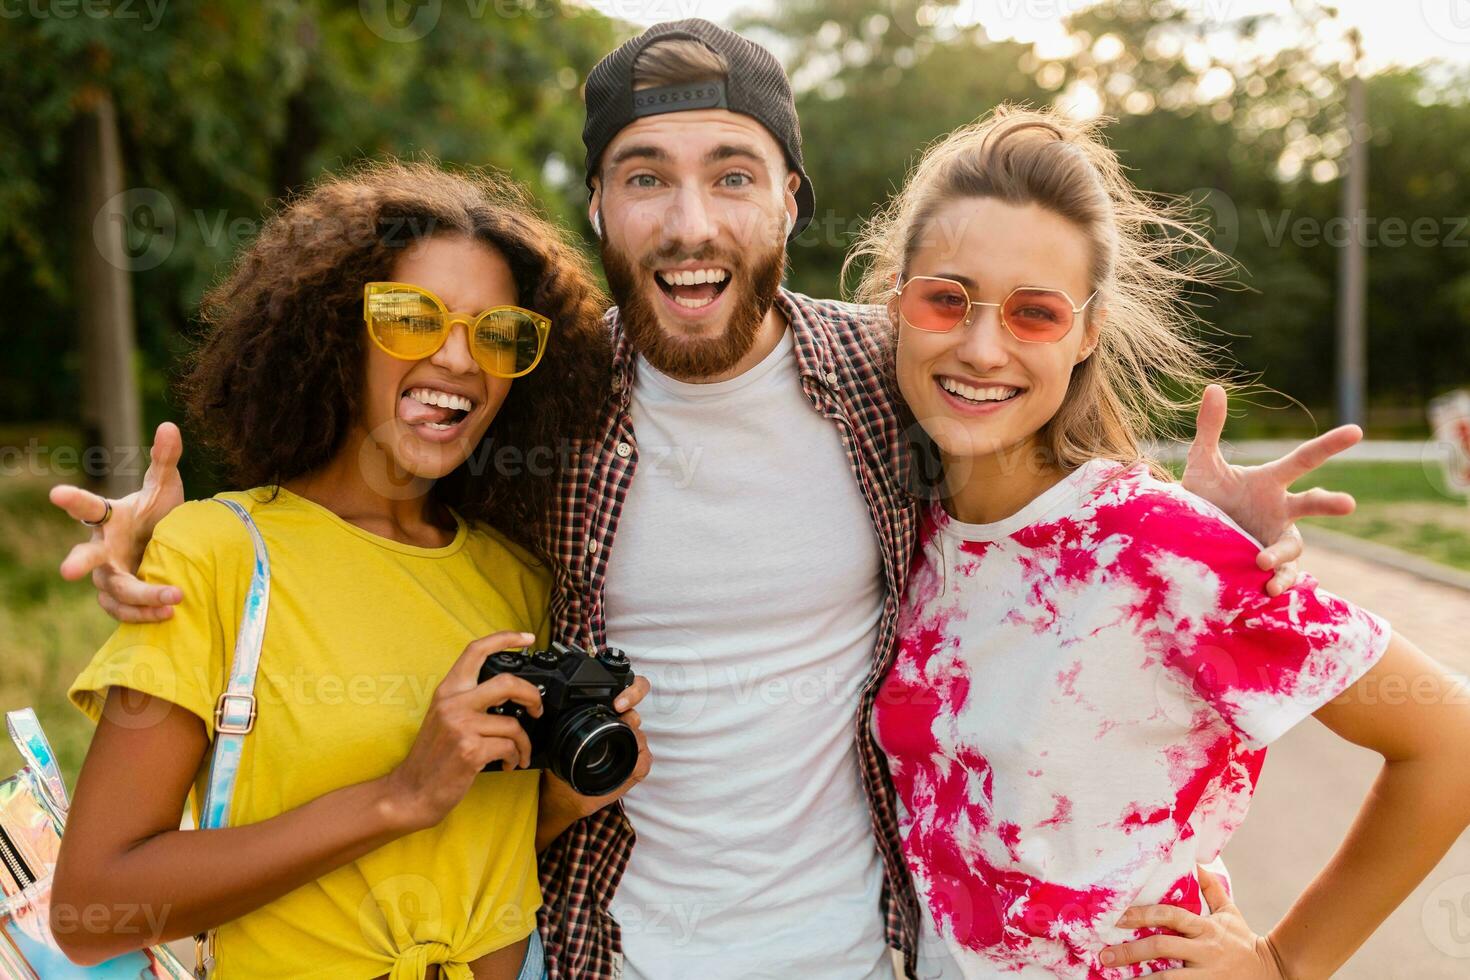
<point x="1384" y="482"/>
<point x="1441" y="535"/>
<point x="48" y="628"/>
<point x="1402" y="505"/>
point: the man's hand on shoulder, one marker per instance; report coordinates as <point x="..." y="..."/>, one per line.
<point x="1259" y="498"/>
<point x="115" y="550"/>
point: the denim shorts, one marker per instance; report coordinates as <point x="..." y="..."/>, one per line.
<point x="534" y="965"/>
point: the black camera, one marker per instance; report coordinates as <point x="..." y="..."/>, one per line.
<point x="579" y="736"/>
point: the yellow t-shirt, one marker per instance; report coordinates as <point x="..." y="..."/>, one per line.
<point x="359" y="632"/>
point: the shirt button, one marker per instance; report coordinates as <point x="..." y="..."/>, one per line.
<point x="591" y="546"/>
<point x="832" y="378"/>
<point x="624" y="450"/>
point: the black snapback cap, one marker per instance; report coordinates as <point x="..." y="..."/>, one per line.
<point x="756" y="86"/>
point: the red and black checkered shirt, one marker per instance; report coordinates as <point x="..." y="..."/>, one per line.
<point x="841" y="349"/>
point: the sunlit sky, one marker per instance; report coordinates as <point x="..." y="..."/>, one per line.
<point x="1394" y="31"/>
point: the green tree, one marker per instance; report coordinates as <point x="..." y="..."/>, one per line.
<point x="226" y="106"/>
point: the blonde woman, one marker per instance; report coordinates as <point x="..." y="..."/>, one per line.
<point x="1090" y="668"/>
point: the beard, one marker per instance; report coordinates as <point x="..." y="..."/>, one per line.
<point x="689" y="358"/>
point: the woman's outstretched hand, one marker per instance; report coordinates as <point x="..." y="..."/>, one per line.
<point x="1259" y="498"/>
<point x="115" y="550"/>
<point x="1219" y="946"/>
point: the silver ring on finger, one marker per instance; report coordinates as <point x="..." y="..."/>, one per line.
<point x="106" y="515"/>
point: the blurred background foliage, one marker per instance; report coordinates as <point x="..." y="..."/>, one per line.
<point x="1243" y="116"/>
<point x="226" y="106"/>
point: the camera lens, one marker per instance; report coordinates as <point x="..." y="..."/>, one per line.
<point x="594" y="751"/>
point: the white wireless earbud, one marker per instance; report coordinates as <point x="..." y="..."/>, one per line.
<point x="790" y="224"/>
<point x="597" y="222"/>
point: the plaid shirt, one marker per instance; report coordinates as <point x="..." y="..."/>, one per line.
<point x="841" y="352"/>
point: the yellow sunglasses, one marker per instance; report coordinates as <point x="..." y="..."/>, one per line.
<point x="410" y="323"/>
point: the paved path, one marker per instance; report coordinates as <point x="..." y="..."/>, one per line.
<point x="1314" y="782"/>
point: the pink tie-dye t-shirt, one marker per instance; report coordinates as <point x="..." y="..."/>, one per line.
<point x="1079" y="711"/>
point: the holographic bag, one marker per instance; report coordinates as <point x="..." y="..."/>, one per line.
<point x="33" y="805"/>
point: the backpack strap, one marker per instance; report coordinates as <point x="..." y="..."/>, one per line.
<point x="25" y="732"/>
<point x="234" y="712"/>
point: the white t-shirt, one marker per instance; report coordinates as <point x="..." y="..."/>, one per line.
<point x="745" y="581"/>
<point x="1079" y="710"/>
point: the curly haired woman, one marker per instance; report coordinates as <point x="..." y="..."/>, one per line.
<point x="390" y="334"/>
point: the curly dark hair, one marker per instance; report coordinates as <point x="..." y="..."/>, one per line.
<point x="284" y="335"/>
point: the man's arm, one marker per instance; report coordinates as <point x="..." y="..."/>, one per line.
<point x="1259" y="498"/>
<point x="115" y="550"/>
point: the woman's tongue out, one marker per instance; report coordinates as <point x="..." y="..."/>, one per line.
<point x="415" y="412"/>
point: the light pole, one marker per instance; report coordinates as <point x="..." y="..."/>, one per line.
<point x="1352" y="262"/>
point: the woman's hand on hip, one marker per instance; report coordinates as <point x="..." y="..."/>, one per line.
<point x="1220" y="946"/>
